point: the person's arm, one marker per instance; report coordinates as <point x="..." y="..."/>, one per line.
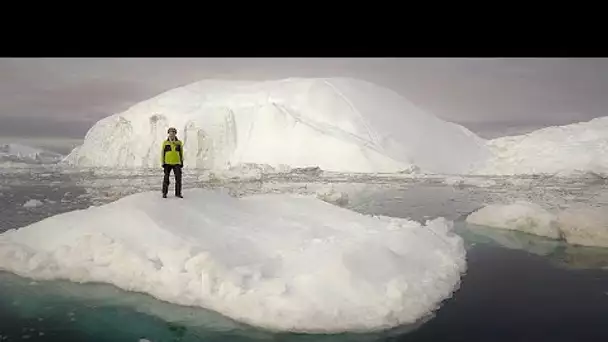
<point x="162" y="154"/>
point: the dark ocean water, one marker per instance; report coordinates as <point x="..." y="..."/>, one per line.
<point x="517" y="287"/>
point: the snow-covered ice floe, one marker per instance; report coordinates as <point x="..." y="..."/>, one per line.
<point x="281" y="262"/>
<point x="578" y="224"/>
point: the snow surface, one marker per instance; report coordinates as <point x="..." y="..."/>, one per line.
<point x="337" y="124"/>
<point x="15" y="152"/>
<point x="557" y="150"/>
<point x="305" y="265"/>
<point x="580" y="224"/>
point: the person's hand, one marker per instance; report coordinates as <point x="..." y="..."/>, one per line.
<point x="164" y="165"/>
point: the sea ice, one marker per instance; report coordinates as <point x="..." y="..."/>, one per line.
<point x="285" y="262"/>
<point x="578" y="224"/>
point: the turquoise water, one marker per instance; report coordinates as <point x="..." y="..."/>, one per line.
<point x="506" y="295"/>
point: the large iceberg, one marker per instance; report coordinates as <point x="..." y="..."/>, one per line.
<point x="557" y="150"/>
<point x="337" y="124"/>
<point x="286" y="262"/>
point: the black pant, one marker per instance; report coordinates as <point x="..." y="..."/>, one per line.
<point x="177" y="172"/>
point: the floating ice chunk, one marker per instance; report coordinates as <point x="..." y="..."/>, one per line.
<point x="32" y="203"/>
<point x="585" y="225"/>
<point x="579" y="224"/>
<point x="522" y="216"/>
<point x="286" y="262"/>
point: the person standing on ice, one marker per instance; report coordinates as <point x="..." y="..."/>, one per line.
<point x="172" y="159"/>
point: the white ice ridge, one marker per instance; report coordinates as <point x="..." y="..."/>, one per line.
<point x="557" y="150"/>
<point x="337" y="124"/>
<point x="578" y="225"/>
<point x="285" y="262"/>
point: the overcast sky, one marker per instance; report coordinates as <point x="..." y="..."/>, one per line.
<point x="64" y="97"/>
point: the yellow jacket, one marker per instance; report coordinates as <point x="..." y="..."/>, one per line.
<point x="172" y="153"/>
